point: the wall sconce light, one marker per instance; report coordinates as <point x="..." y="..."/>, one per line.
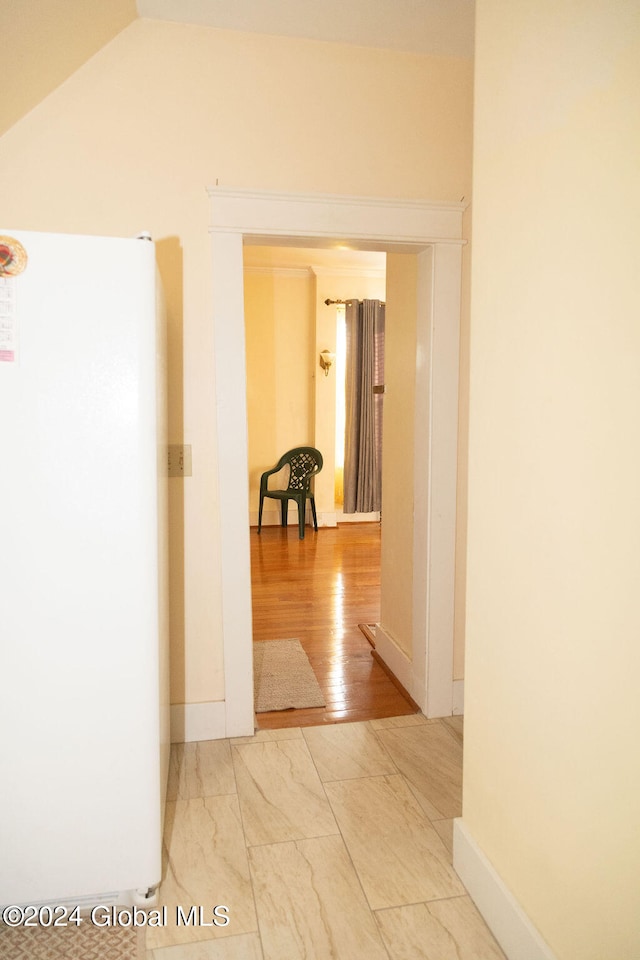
<point x="326" y="359"/>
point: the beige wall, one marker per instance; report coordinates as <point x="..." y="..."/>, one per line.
<point x="552" y="778"/>
<point x="280" y="339"/>
<point x="460" y="596"/>
<point x="131" y="141"/>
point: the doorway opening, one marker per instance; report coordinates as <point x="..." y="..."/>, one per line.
<point x="320" y="590"/>
<point x="423" y="658"/>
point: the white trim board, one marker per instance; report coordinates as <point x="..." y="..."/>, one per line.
<point x="458" y="698"/>
<point x="272" y="516"/>
<point x="502" y="913"/>
<point x="197" y="721"/>
<point x="434" y="231"/>
<point x="373" y="517"/>
<point x="263" y="215"/>
<point x="400" y="665"/>
<point x="297" y="273"/>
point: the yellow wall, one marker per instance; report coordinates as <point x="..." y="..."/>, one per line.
<point x="280" y="341"/>
<point x="396" y="573"/>
<point x="130" y="142"/>
<point x="552" y="779"/>
<point x="290" y="402"/>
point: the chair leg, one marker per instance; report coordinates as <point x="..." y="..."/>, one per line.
<point x="284" y="511"/>
<point x="301" y="518"/>
<point x="260" y="513"/>
<point x="313" y="512"/>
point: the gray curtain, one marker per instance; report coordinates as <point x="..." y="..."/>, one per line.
<point x="363" y="417"/>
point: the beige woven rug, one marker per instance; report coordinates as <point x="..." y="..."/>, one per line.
<point x="82" y="942"/>
<point x="283" y="678"/>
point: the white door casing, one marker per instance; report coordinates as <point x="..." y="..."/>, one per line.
<point x="433" y="230"/>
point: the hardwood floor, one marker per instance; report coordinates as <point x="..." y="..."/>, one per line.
<point x="319" y="589"/>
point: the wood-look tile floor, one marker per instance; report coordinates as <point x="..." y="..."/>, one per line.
<point x="319" y="589"/>
<point x="325" y="843"/>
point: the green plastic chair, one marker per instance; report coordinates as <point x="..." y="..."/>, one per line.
<point x="303" y="463"/>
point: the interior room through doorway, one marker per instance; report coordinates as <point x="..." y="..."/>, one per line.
<point x="288" y="322"/>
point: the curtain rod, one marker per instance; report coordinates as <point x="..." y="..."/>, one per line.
<point x="329" y="302"/>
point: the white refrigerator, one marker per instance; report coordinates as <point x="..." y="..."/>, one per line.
<point x="83" y="570"/>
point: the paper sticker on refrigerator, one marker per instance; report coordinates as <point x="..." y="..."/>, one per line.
<point x="8" y="325"/>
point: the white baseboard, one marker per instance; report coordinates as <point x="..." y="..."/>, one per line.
<point x="402" y="668"/>
<point x="198" y="721"/>
<point x="399" y="664"/>
<point x="502" y="913"/>
<point x="357" y="517"/>
<point x="326" y="518"/>
<point x="272" y="518"/>
<point x="458" y="698"/>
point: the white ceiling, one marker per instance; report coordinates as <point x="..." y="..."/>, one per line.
<point x="438" y="27"/>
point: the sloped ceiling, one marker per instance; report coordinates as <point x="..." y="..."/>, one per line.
<point x="44" y="41"/>
<point x="438" y="27"/>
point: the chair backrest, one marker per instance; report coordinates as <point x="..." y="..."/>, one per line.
<point x="303" y="462"/>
